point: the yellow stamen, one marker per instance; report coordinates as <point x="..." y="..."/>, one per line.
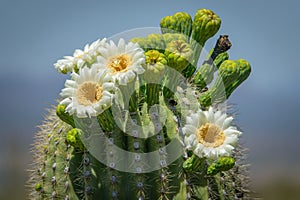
<point x="210" y="135"/>
<point x="119" y="63"/>
<point x="88" y="93"/>
<point x="79" y="56"/>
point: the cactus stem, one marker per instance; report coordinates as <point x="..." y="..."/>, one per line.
<point x="86" y="176"/>
<point x="153" y="92"/>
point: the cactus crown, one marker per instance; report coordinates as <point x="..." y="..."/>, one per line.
<point x="140" y="120"/>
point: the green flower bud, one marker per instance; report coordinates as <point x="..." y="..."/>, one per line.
<point x="193" y="163"/>
<point x="143" y="43"/>
<point x="228" y="72"/>
<point x="206" y="24"/>
<point x="244" y="72"/>
<point x="155" y="66"/>
<point x="63" y="115"/>
<point x="155" y="61"/>
<point x="38" y="187"/>
<point x="179" y="54"/>
<point x="140" y="41"/>
<point x="180" y="22"/>
<point x="73" y="138"/>
<point x="233" y="73"/>
<point x="170" y="37"/>
<point x="151" y="42"/>
<point x="156" y="42"/>
<point x="222" y="164"/>
<point x="245" y="69"/>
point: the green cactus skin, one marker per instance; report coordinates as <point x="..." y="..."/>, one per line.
<point x="63" y="167"/>
<point x="220" y="59"/>
<point x="78" y="175"/>
<point x="204" y="76"/>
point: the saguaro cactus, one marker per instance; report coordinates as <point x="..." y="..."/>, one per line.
<point x="137" y="120"/>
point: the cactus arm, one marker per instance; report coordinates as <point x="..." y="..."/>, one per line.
<point x="54" y="158"/>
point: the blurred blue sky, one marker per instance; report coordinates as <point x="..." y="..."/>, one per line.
<point x="35" y="33"/>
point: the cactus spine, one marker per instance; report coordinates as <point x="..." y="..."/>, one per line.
<point x="148" y="119"/>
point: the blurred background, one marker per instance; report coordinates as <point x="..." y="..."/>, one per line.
<point x="35" y="33"/>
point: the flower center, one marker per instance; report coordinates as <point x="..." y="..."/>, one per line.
<point x="119" y="63"/>
<point x="210" y="135"/>
<point x="88" y="93"/>
<point x="79" y="56"/>
<point x="181" y="46"/>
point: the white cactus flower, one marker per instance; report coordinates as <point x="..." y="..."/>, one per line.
<point x="88" y="93"/>
<point x="80" y="58"/>
<point x="210" y="134"/>
<point x="123" y="61"/>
